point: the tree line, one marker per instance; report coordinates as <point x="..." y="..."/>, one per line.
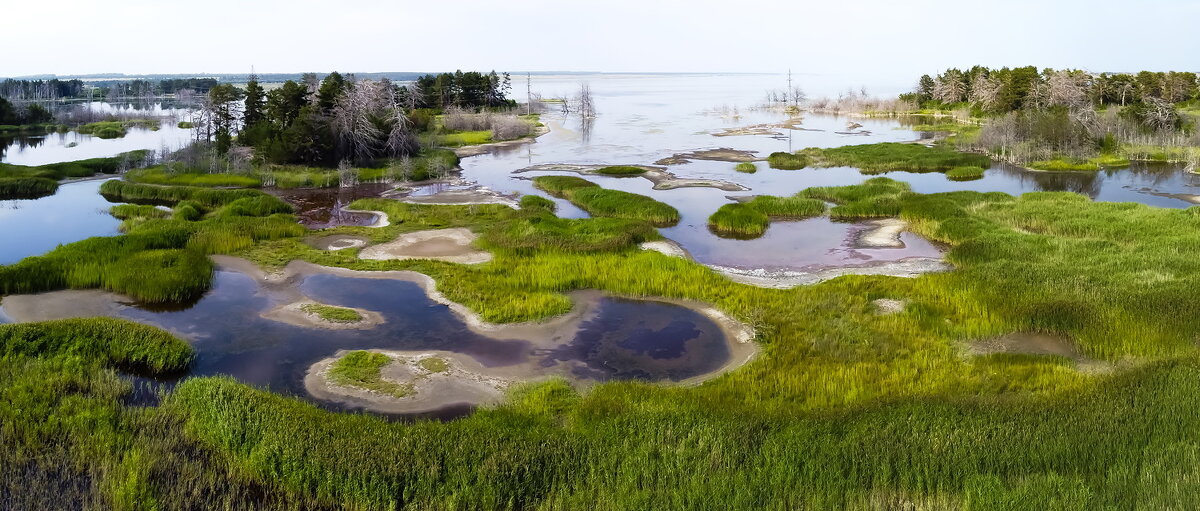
<point x="1008" y="89"/>
<point x="339" y="118"/>
<point x="30" y="114"/>
<point x="54" y="89"/>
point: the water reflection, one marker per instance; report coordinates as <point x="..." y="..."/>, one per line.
<point x="33" y="227"/>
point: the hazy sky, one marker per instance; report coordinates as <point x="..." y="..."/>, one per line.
<point x="882" y="40"/>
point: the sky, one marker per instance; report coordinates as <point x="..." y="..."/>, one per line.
<point x="867" y="41"/>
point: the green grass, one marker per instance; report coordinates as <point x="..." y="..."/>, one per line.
<point x="111" y="342"/>
<point x="434" y="364"/>
<point x="331" y="313"/>
<point x="964" y="173"/>
<point x="465" y="138"/>
<point x="159" y="259"/>
<point x="104" y="129"/>
<point x="787" y="161"/>
<point x="603" y="202"/>
<point x="747" y="220"/>
<point x="185" y="125"/>
<point x="842" y="409"/>
<point x="621" y="170"/>
<point x="132" y="211"/>
<point x="746" y="167"/>
<point x="161" y="176"/>
<point x="75" y="169"/>
<point x="361" y="369"/>
<point x="894" y="157"/>
<point x="1083" y="165"/>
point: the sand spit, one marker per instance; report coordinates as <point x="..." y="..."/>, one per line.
<point x="294" y="314"/>
<point x="662" y="179"/>
<point x="450" y="245"/>
<point x="784" y="279"/>
<point x="881" y="233"/>
<point x="476" y="150"/>
<point x="667" y="248"/>
<point x="721" y="154"/>
<point x="464" y="381"/>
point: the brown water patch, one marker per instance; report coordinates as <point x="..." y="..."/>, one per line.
<point x="1028" y="343"/>
<point x="337" y="242"/>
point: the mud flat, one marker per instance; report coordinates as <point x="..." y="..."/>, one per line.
<point x="463" y="381"/>
<point x="1038" y="343"/>
<point x="721" y="154"/>
<point x="295" y="314"/>
<point x="784" y="279"/>
<point x="767" y="129"/>
<point x="451" y="245"/>
<point x="662" y="179"/>
<point x="381" y="218"/>
<point x="337" y="242"/>
<point x="476" y="150"/>
<point x="475" y="196"/>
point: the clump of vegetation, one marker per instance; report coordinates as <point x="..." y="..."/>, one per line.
<point x="130" y="211"/>
<point x="26" y="187"/>
<point x="894" y="157"/>
<point x="331" y="313"/>
<point x="608" y="203"/>
<point x="1080" y="164"/>
<point x="19" y="181"/>
<point x="186" y="125"/>
<point x="746" y="167"/>
<point x="434" y="364"/>
<point x="787" y="161"/>
<point x="878" y="197"/>
<point x="964" y="173"/>
<point x="537" y="202"/>
<point x="750" y="219"/>
<point x="158" y="260"/>
<point x="621" y="170"/>
<point x="114" y="129"/>
<point x="362" y="369"/>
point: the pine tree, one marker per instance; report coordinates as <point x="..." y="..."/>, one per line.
<point x="255" y="102"/>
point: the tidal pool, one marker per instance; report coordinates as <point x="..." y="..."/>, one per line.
<point x="34" y="227"/>
<point x="604" y="338"/>
<point x="320" y="208"/>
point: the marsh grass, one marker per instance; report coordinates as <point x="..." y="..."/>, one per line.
<point x="434" y="364"/>
<point x="746" y="167"/>
<point x="331" y="313"/>
<point x="26" y="187"/>
<point x="1079" y="164"/>
<point x="842" y="409"/>
<point x="361" y="369"/>
<point x="603" y="202"/>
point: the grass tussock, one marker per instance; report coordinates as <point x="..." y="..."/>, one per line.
<point x="750" y="219"/>
<point x="621" y="170"/>
<point x="964" y="173"/>
<point x="26" y="187"/>
<point x="331" y="313"/>
<point x="787" y="161"/>
<point x="161" y="176"/>
<point x="603" y="202"/>
<point x="746" y="167"/>
<point x="894" y="157"/>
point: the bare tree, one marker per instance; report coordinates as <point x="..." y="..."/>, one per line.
<point x="587" y="108"/>
<point x="985" y="91"/>
<point x="369" y="122"/>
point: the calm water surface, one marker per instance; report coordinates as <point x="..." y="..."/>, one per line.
<point x="33" y="227"/>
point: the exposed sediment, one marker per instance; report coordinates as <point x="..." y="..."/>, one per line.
<point x="721" y="154"/>
<point x="450" y="245"/>
<point x="783" y="279"/>
<point x="662" y="179"/>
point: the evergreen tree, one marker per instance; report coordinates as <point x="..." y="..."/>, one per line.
<point x="255" y="102"/>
